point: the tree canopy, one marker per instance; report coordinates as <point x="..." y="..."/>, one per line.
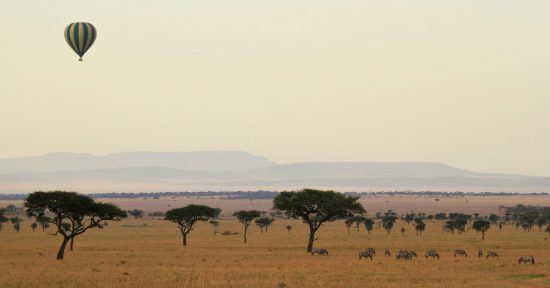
<point x="187" y="216"/>
<point x="246" y="217"/>
<point x="264" y="222"/>
<point x="481" y="226"/>
<point x="316" y="207"/>
<point x="71" y="213"/>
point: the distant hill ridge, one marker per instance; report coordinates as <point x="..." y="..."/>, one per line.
<point x="230" y="170"/>
<point x="201" y="161"/>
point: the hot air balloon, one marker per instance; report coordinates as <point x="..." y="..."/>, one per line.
<point x="80" y="36"/>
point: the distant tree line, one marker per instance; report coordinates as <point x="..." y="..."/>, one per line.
<point x="260" y="194"/>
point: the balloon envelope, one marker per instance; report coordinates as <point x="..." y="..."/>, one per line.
<point x="80" y="36"/>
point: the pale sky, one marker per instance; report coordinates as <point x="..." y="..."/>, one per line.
<point x="460" y="82"/>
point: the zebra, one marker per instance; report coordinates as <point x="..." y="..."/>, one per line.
<point x="432" y="253"/>
<point x="460" y="252"/>
<point x="412" y="253"/>
<point x="402" y="254"/>
<point x="526" y="260"/>
<point x="480" y="253"/>
<point x="372" y="251"/>
<point x="492" y="254"/>
<point x="319" y="251"/>
<point x="366" y="254"/>
<point x="387" y="252"/>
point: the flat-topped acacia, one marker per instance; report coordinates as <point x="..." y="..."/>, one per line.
<point x="187" y="216"/>
<point x="316" y="207"/>
<point x="71" y="213"/>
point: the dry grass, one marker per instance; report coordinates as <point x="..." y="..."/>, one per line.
<point x="119" y="256"/>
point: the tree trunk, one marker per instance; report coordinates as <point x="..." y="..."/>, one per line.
<point x="61" y="251"/>
<point x="311" y="239"/>
<point x="184" y="236"/>
<point x="245" y="229"/>
<point x="72" y="244"/>
<point x="482" y="235"/>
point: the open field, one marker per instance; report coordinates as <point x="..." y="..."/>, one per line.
<point x="127" y="254"/>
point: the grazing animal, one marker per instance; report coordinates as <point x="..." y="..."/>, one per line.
<point x="526" y="260"/>
<point x="366" y="254"/>
<point x="480" y="253"/>
<point x="432" y="253"/>
<point x="492" y="254"/>
<point x="412" y="253"/>
<point x="460" y="252"/>
<point x="387" y="252"/>
<point x="402" y="254"/>
<point x="319" y="251"/>
<point x="372" y="251"/>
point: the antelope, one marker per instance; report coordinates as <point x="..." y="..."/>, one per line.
<point x="319" y="251"/>
<point x="460" y="252"/>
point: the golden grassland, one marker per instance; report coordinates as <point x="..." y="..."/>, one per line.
<point x="128" y="254"/>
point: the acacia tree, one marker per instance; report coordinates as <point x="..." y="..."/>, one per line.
<point x="540" y="221"/>
<point x="215" y="224"/>
<point x="481" y="226"/>
<point x="264" y="222"/>
<point x="369" y="225"/>
<point x="288" y="228"/>
<point x="71" y="213"/>
<point x="356" y="219"/>
<point x="3" y="219"/>
<point x="348" y="222"/>
<point x="187" y="216"/>
<point x="136" y="213"/>
<point x="16" y="221"/>
<point x="419" y="226"/>
<point x="316" y="207"/>
<point x="409" y="217"/>
<point x="389" y="220"/>
<point x="44" y="224"/>
<point x="246" y="217"/>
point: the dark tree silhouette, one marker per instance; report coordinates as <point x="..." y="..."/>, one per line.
<point x="481" y="226"/>
<point x="44" y="223"/>
<point x="540" y="221"/>
<point x="71" y="213"/>
<point x="16" y="221"/>
<point x="419" y="226"/>
<point x="34" y="226"/>
<point x="187" y="216"/>
<point x="316" y="207"/>
<point x="3" y="219"/>
<point x="288" y="228"/>
<point x="440" y="216"/>
<point x="348" y="222"/>
<point x="136" y="213"/>
<point x="369" y="225"/>
<point x="409" y="218"/>
<point x="246" y="217"/>
<point x="493" y="218"/>
<point x="389" y="220"/>
<point x="215" y="224"/>
<point x="264" y="222"/>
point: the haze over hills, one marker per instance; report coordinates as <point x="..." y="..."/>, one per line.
<point x="235" y="170"/>
<point x="202" y="161"/>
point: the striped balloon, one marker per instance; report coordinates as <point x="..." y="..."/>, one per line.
<point x="80" y="36"/>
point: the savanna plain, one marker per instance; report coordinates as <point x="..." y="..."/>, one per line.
<point x="148" y="252"/>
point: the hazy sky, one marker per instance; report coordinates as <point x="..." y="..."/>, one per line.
<point x="461" y="82"/>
